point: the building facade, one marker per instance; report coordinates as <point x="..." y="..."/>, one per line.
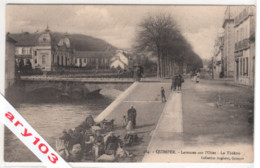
<point x="49" y="51"/>
<point x="244" y="26"/>
<point x="120" y="60"/>
<point x="218" y="65"/>
<point x="229" y="39"/>
<point x="42" y="51"/>
<point x="92" y="59"/>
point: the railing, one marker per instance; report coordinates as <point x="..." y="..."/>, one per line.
<point x="241" y="45"/>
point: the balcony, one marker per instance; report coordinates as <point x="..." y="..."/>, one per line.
<point x="242" y="45"/>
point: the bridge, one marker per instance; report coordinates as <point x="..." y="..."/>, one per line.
<point x="74" y="87"/>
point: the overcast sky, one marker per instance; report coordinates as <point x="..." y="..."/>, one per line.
<point x="117" y="24"/>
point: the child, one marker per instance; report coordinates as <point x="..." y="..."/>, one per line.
<point x="163" y="95"/>
<point x="124" y="121"/>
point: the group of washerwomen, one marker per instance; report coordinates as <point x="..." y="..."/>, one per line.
<point x="86" y="142"/>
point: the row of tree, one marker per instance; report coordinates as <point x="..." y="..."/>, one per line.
<point x="160" y="35"/>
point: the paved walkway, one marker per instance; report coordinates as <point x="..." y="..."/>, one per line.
<point x="146" y="99"/>
<point x="168" y="132"/>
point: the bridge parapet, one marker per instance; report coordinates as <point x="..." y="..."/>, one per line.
<point x="72" y="87"/>
<point x="85" y="80"/>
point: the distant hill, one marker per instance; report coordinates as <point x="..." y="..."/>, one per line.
<point x="82" y="42"/>
<point x="79" y="42"/>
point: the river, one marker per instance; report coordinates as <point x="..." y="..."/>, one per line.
<point x="49" y="117"/>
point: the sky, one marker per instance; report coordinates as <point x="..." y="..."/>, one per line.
<point x="118" y="24"/>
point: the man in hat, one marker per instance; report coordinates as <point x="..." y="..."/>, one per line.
<point x="131" y="115"/>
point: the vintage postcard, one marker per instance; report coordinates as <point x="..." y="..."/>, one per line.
<point x="133" y="83"/>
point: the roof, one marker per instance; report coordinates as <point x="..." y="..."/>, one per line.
<point x="25" y="39"/>
<point x="92" y="54"/>
<point x="31" y="39"/>
<point x="230" y="13"/>
<point x="9" y="39"/>
<point x="117" y="63"/>
<point x="78" y="42"/>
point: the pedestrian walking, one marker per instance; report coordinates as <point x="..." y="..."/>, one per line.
<point x="163" y="95"/>
<point x="198" y="77"/>
<point x="180" y="81"/>
<point x="173" y="86"/>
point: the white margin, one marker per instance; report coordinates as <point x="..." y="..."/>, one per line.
<point x="143" y="165"/>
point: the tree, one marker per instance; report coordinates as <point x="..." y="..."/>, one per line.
<point x="160" y="34"/>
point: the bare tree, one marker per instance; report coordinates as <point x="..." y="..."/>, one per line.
<point x="161" y="35"/>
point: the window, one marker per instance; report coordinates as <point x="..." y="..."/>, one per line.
<point x="240" y="62"/>
<point x="238" y="36"/>
<point x="246" y="69"/>
<point x="242" y="33"/>
<point x="35" y="53"/>
<point x="85" y="60"/>
<point x="244" y="66"/>
<point x="245" y="34"/>
<point x="58" y="60"/>
<point x="23" y="51"/>
<point x="35" y="61"/>
<point x="62" y="60"/>
<point x="43" y="59"/>
<point x="17" y="51"/>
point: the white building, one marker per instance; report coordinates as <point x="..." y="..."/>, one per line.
<point x="42" y="50"/>
<point x="119" y="60"/>
<point x="92" y="59"/>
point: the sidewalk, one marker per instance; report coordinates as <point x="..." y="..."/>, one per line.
<point x="168" y="133"/>
<point x="146" y="99"/>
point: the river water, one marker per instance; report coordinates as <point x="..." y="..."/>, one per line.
<point x="49" y="117"/>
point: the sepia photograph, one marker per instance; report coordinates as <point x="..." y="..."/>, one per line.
<point x="133" y="83"/>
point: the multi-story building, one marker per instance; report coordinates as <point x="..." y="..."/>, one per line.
<point x="244" y="25"/>
<point x="42" y="50"/>
<point x="49" y="51"/>
<point x="229" y="39"/>
<point x="218" y="66"/>
<point x="92" y="59"/>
